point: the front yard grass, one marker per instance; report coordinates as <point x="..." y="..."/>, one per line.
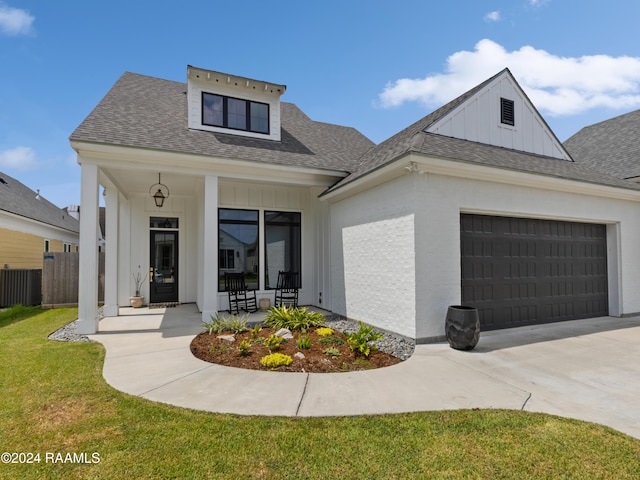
<point x="53" y="399"/>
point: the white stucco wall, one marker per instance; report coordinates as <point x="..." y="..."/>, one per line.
<point x="377" y="235"/>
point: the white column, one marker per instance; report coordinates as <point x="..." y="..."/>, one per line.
<point x="110" y="308"/>
<point x="88" y="289"/>
<point x="209" y="272"/>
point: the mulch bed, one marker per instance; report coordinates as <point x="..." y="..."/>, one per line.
<point x="210" y="348"/>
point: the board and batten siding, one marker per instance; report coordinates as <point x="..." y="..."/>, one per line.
<point x="530" y="133"/>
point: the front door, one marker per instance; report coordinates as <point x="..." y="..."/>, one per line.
<point x="163" y="266"/>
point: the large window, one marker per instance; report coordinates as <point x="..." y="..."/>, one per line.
<point x="283" y="244"/>
<point x="234" y="113"/>
<point x="238" y="245"/>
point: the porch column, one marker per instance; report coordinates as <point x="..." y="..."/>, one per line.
<point x="112" y="205"/>
<point x="88" y="288"/>
<point x="209" y="274"/>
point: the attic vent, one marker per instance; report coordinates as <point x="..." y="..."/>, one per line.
<point x="3" y="181"/>
<point x="507" y="115"/>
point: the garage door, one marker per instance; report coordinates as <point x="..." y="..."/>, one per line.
<point x="520" y="271"/>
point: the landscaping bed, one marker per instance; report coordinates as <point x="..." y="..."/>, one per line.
<point x="291" y="340"/>
<point x="211" y="348"/>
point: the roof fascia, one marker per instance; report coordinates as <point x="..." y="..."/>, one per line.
<point x="115" y="156"/>
<point x="420" y="163"/>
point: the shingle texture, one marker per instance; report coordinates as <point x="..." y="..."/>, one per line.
<point x="612" y="146"/>
<point x="414" y="139"/>
<point x="147" y="112"/>
<point x="20" y="200"/>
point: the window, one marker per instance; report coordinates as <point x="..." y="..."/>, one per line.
<point x="234" y="113"/>
<point x="238" y="245"/>
<point x="283" y="244"/>
<point x="507" y="115"/>
<point x="66" y="247"/>
<point x="47" y="246"/>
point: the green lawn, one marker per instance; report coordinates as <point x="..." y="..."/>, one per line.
<point x="53" y="399"/>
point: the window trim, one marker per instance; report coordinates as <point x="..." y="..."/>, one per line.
<point x="225" y="113"/>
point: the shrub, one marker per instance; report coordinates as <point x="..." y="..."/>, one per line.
<point x="333" y="351"/>
<point x="275" y="360"/>
<point x="331" y="340"/>
<point x="324" y="331"/>
<point x="272" y="342"/>
<point x="304" y="341"/>
<point x="244" y="348"/>
<point x="221" y="324"/>
<point x="293" y="318"/>
<point x="255" y="331"/>
<point x="359" y="341"/>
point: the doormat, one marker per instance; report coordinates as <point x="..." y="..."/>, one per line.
<point x="164" y="305"/>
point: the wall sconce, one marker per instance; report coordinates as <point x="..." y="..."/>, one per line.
<point x="161" y="192"/>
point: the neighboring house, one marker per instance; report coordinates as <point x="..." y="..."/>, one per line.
<point x="74" y="211"/>
<point x="477" y="203"/>
<point x="30" y="225"/>
<point x="611" y="147"/>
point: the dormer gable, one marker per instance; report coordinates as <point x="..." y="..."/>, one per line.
<point x="499" y="113"/>
<point x="224" y="103"/>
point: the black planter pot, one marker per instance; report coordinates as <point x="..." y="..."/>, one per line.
<point x="462" y="327"/>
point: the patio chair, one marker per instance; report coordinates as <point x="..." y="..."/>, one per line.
<point x="240" y="298"/>
<point x="287" y="289"/>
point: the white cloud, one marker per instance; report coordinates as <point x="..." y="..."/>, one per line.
<point x="19" y="158"/>
<point x="14" y="21"/>
<point x="538" y="3"/>
<point x="493" y="16"/>
<point x="556" y="85"/>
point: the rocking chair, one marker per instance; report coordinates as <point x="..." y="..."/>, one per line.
<point x="287" y="289"/>
<point x="240" y="298"/>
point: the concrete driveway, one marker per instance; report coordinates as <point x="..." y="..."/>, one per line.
<point x="584" y="369"/>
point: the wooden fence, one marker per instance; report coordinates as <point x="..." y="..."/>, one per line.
<point x="60" y="274"/>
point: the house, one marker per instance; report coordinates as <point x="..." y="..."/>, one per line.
<point x="477" y="203"/>
<point x="611" y="147"/>
<point x="30" y="225"/>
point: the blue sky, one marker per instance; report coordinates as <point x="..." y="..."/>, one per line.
<point x="377" y="66"/>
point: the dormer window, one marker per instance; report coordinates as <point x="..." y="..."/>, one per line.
<point x="223" y="103"/>
<point x="235" y="113"/>
<point x="507" y="112"/>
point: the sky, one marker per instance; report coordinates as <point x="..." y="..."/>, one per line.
<point x="374" y="65"/>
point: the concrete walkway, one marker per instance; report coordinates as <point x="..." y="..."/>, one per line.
<point x="585" y="369"/>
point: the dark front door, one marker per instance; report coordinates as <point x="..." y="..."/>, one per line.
<point x="163" y="271"/>
<point x="523" y="271"/>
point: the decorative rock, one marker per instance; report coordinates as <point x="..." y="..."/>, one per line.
<point x="228" y="339"/>
<point x="285" y="333"/>
<point x="299" y="355"/>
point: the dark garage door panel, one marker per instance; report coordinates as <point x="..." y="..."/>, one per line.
<point x="520" y="271"/>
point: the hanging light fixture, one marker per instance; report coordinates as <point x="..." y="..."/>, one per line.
<point x="159" y="192"/>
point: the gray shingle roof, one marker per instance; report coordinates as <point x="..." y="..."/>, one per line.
<point x="20" y="200"/>
<point x="415" y="139"/>
<point x="148" y="112"/>
<point x="612" y="146"/>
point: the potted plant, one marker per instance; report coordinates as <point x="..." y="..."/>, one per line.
<point x="138" y="300"/>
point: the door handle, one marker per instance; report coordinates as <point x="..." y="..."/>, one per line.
<point x="150" y="274"/>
